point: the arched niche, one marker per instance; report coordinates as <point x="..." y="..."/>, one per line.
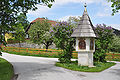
<point x="82" y="43"/>
<point x="91" y="44"/>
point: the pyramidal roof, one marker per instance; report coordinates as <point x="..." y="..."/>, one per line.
<point x="85" y="27"/>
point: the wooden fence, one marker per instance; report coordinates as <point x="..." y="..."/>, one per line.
<point x="36" y="51"/>
<point x="112" y="56"/>
<point x="52" y="52"/>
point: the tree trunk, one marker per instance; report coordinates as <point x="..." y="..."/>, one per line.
<point x="19" y="46"/>
<point x="47" y="47"/>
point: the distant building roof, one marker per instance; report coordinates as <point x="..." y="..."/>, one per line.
<point x="85" y="27"/>
<point x="40" y="19"/>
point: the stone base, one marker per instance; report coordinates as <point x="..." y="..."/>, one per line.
<point x="91" y="66"/>
<point x="85" y="58"/>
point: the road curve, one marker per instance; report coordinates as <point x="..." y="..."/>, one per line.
<point x="39" y="68"/>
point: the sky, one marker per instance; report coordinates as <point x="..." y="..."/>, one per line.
<point x="99" y="11"/>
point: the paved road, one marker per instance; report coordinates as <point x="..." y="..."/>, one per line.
<point x="39" y="68"/>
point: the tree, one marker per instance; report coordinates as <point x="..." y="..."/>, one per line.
<point x="9" y="10"/>
<point x="19" y="33"/>
<point x="0" y="49"/>
<point x="105" y="36"/>
<point x="74" y="20"/>
<point x="115" y="46"/>
<point x="62" y="38"/>
<point x="115" y="5"/>
<point x="2" y="38"/>
<point x="39" y="33"/>
<point x="23" y="20"/>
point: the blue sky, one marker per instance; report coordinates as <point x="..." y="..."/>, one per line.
<point x="98" y="10"/>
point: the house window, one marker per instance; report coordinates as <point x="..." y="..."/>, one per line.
<point x="82" y="44"/>
<point x="92" y="44"/>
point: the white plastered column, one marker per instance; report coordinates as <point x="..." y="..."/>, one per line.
<point x="85" y="57"/>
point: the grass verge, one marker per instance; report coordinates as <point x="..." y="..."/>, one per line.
<point x="74" y="66"/>
<point x="32" y="54"/>
<point x="113" y="60"/>
<point x="6" y="70"/>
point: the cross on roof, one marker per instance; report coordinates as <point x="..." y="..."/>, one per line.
<point x="85" y="26"/>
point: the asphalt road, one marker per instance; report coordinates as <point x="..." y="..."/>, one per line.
<point x="39" y="68"/>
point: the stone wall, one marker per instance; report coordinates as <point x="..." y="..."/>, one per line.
<point x="31" y="45"/>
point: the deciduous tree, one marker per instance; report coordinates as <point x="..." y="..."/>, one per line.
<point x="9" y="10"/>
<point x="115" y="46"/>
<point x="23" y="20"/>
<point x="62" y="38"/>
<point x="39" y="33"/>
<point x="19" y="33"/>
<point x="115" y="5"/>
<point x="105" y="36"/>
<point x="74" y="21"/>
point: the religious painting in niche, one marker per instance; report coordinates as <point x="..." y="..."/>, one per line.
<point x="91" y="44"/>
<point x="82" y="44"/>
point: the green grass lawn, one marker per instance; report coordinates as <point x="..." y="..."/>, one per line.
<point x="74" y="66"/>
<point x="49" y="55"/>
<point x="6" y="70"/>
<point x="113" y="60"/>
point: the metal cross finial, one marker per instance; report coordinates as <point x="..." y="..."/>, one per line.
<point x="85" y="5"/>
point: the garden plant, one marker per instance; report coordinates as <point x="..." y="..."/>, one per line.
<point x="62" y="39"/>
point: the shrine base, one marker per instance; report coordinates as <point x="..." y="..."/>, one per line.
<point x="85" y="58"/>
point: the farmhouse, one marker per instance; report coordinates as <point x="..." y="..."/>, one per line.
<point x="38" y="19"/>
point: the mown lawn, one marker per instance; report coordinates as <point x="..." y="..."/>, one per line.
<point x="113" y="60"/>
<point x="6" y="70"/>
<point x="49" y="55"/>
<point x="52" y="53"/>
<point x="74" y="66"/>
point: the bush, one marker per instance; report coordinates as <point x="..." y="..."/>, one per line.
<point x="65" y="57"/>
<point x="99" y="55"/>
<point x="11" y="41"/>
<point x="115" y="46"/>
<point x="102" y="43"/>
<point x="62" y="38"/>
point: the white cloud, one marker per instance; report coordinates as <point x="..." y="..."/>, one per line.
<point x="62" y="2"/>
<point x="106" y="3"/>
<point x="39" y="12"/>
<point x="65" y="18"/>
<point x="44" y="10"/>
<point x="107" y="11"/>
<point x="103" y="14"/>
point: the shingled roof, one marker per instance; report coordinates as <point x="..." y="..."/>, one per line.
<point x="40" y="19"/>
<point x="85" y="27"/>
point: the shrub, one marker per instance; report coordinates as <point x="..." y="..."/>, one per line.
<point x="11" y="41"/>
<point x="62" y="38"/>
<point x="115" y="46"/>
<point x="105" y="36"/>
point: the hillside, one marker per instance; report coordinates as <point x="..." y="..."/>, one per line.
<point x="116" y="31"/>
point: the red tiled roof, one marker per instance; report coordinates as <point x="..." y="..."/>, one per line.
<point x="41" y="19"/>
